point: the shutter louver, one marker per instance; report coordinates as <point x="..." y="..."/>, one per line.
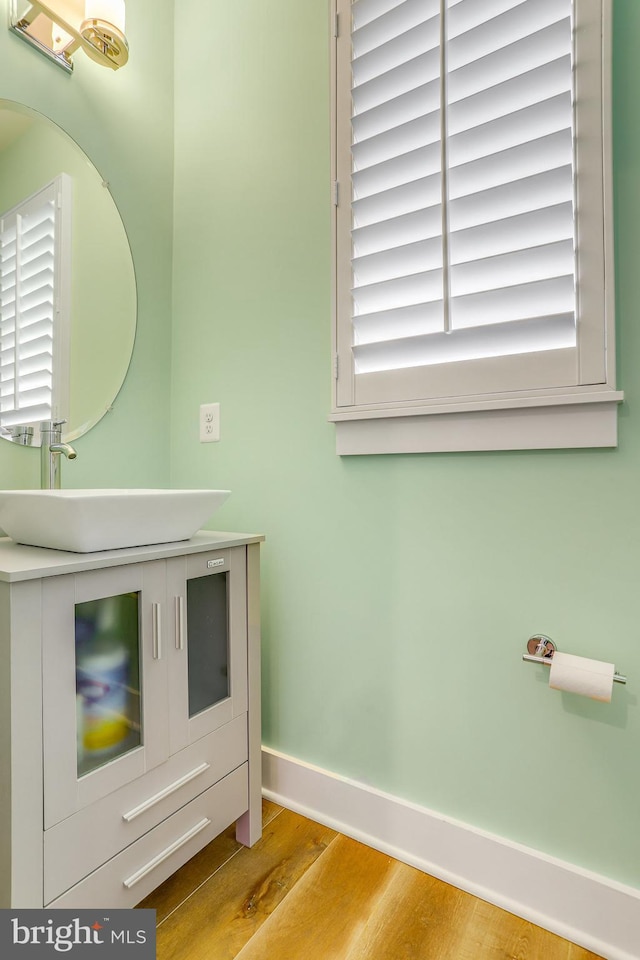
<point x="27" y="310"/>
<point x="463" y="233"/>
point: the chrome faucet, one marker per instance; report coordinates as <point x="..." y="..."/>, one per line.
<point x="50" y="450"/>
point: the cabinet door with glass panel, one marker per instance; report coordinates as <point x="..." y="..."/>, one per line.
<point x="207" y="656"/>
<point x="105" y="683"/>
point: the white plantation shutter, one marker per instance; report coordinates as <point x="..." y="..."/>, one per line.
<point x="511" y="226"/>
<point x="461" y="254"/>
<point x="397" y="177"/>
<point x="33" y="293"/>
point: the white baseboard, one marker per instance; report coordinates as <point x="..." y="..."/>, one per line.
<point x="597" y="913"/>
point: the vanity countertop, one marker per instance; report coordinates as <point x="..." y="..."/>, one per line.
<point x="19" y="562"/>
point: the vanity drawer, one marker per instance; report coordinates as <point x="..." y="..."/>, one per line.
<point x="133" y="874"/>
<point x="76" y="846"/>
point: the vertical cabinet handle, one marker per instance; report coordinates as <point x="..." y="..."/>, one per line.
<point x="155" y="631"/>
<point x="179" y="623"/>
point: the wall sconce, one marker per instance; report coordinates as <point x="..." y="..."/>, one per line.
<point x="58" y="28"/>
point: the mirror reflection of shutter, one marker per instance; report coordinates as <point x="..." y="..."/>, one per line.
<point x="34" y="280"/>
<point x="463" y="212"/>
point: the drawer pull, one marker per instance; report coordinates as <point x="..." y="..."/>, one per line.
<point x="180" y="842"/>
<point x="151" y="802"/>
<point x="179" y="623"/>
<point x="155" y="631"/>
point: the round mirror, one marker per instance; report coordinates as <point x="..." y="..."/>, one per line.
<point x="68" y="300"/>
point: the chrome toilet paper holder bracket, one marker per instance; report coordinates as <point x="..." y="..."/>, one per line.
<point x="540" y="649"/>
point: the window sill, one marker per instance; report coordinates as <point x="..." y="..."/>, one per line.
<point x="542" y="423"/>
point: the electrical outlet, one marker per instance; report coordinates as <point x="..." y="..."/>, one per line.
<point x="209" y="422"/>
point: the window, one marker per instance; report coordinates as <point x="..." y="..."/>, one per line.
<point x="34" y="307"/>
<point x="472" y="237"/>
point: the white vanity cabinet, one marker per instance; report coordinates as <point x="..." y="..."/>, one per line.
<point x="129" y="715"/>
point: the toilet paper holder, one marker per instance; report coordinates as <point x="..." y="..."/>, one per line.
<point x="540" y="649"/>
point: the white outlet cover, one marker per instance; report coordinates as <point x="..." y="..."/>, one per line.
<point x="209" y="422"/>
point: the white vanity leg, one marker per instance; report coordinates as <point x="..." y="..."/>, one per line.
<point x="249" y="826"/>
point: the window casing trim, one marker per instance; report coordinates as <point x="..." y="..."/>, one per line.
<point x="557" y="426"/>
<point x="596" y="397"/>
<point x="587" y="395"/>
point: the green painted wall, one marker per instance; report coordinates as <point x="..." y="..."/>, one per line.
<point x="124" y="122"/>
<point x="398" y="591"/>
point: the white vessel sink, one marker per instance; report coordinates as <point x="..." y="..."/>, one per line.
<point x="88" y="520"/>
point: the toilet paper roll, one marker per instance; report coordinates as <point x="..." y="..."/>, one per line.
<point x="591" y="678"/>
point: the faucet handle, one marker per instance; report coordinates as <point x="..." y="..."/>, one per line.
<point x="50" y="425"/>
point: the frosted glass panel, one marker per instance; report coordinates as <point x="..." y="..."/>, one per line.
<point x="107" y="679"/>
<point x="207" y="641"/>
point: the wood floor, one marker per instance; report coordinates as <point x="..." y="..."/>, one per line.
<point x="305" y="892"/>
